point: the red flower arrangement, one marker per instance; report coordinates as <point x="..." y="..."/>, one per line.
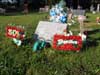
<point x="14" y="32"/>
<point x="68" y="45"/>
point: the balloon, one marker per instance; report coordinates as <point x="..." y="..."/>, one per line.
<point x="63" y="19"/>
<point x="58" y="19"/>
<point x="52" y="13"/>
<point x="57" y="13"/>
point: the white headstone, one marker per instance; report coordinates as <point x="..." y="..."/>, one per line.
<point x="91" y="8"/>
<point x="47" y="30"/>
<point x="2" y="10"/>
<point x="78" y="12"/>
<point x="98" y="8"/>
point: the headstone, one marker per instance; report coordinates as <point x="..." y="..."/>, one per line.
<point x="2" y="11"/>
<point x="25" y="8"/>
<point x="41" y="10"/>
<point x="78" y="12"/>
<point x="47" y="30"/>
<point x="98" y="8"/>
<point x="91" y="8"/>
<point x="44" y="9"/>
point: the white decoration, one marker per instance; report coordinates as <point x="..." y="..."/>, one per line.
<point x="17" y="42"/>
<point x="83" y="36"/>
<point x="61" y="41"/>
<point x="57" y="11"/>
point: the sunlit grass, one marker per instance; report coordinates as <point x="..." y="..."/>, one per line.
<point x="23" y="61"/>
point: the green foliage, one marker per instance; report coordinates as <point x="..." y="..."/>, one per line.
<point x="23" y="61"/>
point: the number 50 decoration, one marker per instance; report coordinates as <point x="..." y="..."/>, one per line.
<point x="14" y="32"/>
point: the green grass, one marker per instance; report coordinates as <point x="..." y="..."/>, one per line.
<point x="23" y="61"/>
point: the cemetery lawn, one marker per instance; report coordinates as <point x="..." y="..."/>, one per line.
<point x="23" y="61"/>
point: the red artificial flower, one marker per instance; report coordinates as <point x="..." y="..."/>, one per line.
<point x="67" y="46"/>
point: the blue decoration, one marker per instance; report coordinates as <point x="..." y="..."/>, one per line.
<point x="52" y="13"/>
<point x="35" y="46"/>
<point x="58" y="13"/>
<point x="62" y="3"/>
<point x="38" y="45"/>
<point x="63" y="19"/>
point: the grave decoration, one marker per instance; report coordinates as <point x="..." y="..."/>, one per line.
<point x="67" y="41"/>
<point x="98" y="20"/>
<point x="70" y="19"/>
<point x="58" y="35"/>
<point x="83" y="36"/>
<point x="73" y="22"/>
<point x="58" y="13"/>
<point x="17" y="33"/>
<point x="61" y="42"/>
<point x="81" y="19"/>
<point x="39" y="44"/>
<point x="55" y="33"/>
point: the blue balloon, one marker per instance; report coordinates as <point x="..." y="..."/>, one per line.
<point x="52" y="13"/>
<point x="58" y="10"/>
<point x="63" y="19"/>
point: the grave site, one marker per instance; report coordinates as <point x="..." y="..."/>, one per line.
<point x="52" y="41"/>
